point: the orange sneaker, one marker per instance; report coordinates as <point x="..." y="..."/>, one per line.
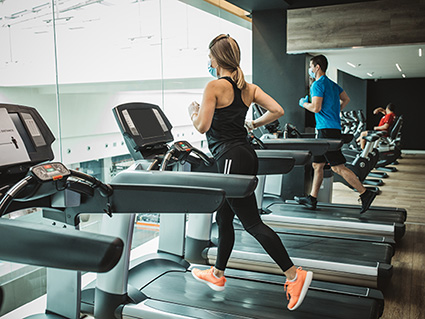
<point x="208" y="277"/>
<point x="298" y="289"/>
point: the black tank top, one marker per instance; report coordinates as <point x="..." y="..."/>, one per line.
<point x="227" y="128"/>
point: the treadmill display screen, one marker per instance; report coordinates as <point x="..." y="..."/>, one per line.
<point x="22" y="131"/>
<point x="147" y="123"/>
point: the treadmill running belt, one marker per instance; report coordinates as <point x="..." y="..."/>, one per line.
<point x="251" y="299"/>
<point x="394" y="211"/>
<point x="336" y="213"/>
<point x="322" y="248"/>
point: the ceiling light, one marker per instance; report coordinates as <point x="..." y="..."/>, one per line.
<point x="398" y="67"/>
<point x="403" y="75"/>
<point x="20" y="13"/>
<point x="420" y="51"/>
<point x="370" y="74"/>
<point x="351" y="64"/>
<point x="40" y="7"/>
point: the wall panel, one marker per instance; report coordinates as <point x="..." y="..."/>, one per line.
<point x="375" y="23"/>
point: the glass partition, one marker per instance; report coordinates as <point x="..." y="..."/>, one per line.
<point x="75" y="60"/>
<point x="27" y="77"/>
<point x="108" y="54"/>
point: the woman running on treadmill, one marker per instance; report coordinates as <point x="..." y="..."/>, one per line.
<point x="221" y="116"/>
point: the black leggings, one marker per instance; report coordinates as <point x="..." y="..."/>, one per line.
<point x="243" y="160"/>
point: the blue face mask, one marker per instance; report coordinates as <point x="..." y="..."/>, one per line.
<point x="213" y="71"/>
<point x="311" y="73"/>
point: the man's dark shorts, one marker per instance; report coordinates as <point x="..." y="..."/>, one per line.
<point x="334" y="158"/>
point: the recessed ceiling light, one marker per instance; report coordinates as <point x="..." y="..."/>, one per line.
<point x="370" y="74"/>
<point x="420" y="51"/>
<point x="351" y="64"/>
<point x="403" y="75"/>
<point x="398" y="67"/>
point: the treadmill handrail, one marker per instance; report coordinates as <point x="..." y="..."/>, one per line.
<point x="274" y="162"/>
<point x="42" y="245"/>
<point x="127" y="194"/>
<point x="301" y="157"/>
<point x="315" y="146"/>
<point x="238" y="186"/>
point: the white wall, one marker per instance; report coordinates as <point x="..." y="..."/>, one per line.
<point x="107" y="54"/>
<point x="102" y="43"/>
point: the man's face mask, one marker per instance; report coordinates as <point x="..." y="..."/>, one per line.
<point x="311" y="73"/>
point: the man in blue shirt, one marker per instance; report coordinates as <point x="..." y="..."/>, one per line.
<point x="327" y="101"/>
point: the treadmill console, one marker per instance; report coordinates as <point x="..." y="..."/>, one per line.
<point x="182" y="149"/>
<point x="145" y="128"/>
<point x="50" y="172"/>
<point x="25" y="141"/>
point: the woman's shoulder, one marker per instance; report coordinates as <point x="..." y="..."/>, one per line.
<point x="217" y="86"/>
<point x="216" y="83"/>
<point x="251" y="87"/>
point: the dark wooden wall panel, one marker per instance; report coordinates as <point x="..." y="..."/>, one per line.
<point x="376" y="23"/>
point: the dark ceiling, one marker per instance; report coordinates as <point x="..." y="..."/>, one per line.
<point x="254" y="5"/>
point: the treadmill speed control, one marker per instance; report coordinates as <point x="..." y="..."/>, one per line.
<point x="50" y="172"/>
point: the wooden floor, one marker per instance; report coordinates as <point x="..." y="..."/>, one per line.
<point x="405" y="295"/>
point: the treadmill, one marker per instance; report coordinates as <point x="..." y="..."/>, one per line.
<point x="387" y="222"/>
<point x="63" y="250"/>
<point x="295" y="224"/>
<point x="65" y="194"/>
<point x="35" y="244"/>
<point x="349" y="261"/>
<point x="161" y="285"/>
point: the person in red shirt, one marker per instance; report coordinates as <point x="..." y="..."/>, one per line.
<point x="384" y="124"/>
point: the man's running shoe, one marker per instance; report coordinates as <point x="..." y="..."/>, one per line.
<point x="309" y="201"/>
<point x="367" y="198"/>
<point x="207" y="276"/>
<point x="296" y="290"/>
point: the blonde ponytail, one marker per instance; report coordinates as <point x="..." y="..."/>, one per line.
<point x="239" y="78"/>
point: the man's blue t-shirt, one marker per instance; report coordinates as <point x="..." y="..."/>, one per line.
<point x="329" y="115"/>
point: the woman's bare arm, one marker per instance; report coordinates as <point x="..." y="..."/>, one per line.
<point x="202" y="115"/>
<point x="274" y="110"/>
